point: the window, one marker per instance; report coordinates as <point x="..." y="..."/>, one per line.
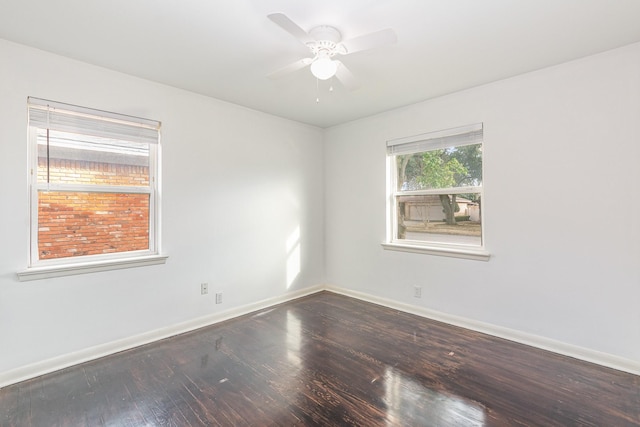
<point x="93" y="185"/>
<point x="435" y="201"/>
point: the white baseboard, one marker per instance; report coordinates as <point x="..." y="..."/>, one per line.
<point x="54" y="364"/>
<point x="585" y="354"/>
<point x="50" y="365"/>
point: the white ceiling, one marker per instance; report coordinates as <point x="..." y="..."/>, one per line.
<point x="225" y="49"/>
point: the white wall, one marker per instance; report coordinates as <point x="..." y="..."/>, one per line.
<point x="236" y="184"/>
<point x="554" y="139"/>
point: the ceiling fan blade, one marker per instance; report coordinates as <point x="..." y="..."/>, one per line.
<point x="294" y="66"/>
<point x="345" y="77"/>
<point x="370" y="41"/>
<point x="291" y="27"/>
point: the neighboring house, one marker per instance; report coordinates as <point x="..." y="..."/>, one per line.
<point x="428" y="208"/>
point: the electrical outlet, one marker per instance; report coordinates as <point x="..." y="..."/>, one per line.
<point x="219" y="298"/>
<point x="417" y="291"/>
<point x="204" y="288"/>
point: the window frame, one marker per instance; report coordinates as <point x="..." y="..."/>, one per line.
<point x="41" y="268"/>
<point x="420" y="144"/>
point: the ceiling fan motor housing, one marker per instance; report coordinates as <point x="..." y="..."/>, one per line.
<point x="327" y="41"/>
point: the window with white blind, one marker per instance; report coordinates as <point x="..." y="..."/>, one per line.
<point x="93" y="187"/>
<point x="435" y="193"/>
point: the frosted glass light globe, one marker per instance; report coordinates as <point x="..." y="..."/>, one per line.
<point x="324" y="68"/>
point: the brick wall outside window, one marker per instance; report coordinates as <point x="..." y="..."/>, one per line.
<point x="89" y="223"/>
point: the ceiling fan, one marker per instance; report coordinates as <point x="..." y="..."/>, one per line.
<point x="325" y="42"/>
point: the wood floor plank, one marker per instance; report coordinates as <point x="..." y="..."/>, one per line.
<point x="328" y="360"/>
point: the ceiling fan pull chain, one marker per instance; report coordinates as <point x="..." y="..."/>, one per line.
<point x="317" y="90"/>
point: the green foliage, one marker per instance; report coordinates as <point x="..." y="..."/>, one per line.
<point x="440" y="170"/>
<point x="471" y="157"/>
<point x="443" y="168"/>
<point x="413" y="164"/>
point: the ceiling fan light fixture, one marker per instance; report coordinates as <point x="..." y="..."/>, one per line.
<point x="324" y="68"/>
<point x="325" y="42"/>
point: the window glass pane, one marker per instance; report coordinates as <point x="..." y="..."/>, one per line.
<point x="88" y="160"/>
<point x="80" y="223"/>
<point x="440" y="218"/>
<point x="442" y="168"/>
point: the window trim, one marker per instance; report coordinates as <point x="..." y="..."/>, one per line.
<point x="56" y="267"/>
<point x="446" y="251"/>
<point x="416" y="144"/>
<point x="71" y="269"/>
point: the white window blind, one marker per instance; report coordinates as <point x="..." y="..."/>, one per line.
<point x="86" y="121"/>
<point x="455" y="137"/>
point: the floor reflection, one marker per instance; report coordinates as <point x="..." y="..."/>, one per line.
<point x="406" y="399"/>
<point x="294" y="338"/>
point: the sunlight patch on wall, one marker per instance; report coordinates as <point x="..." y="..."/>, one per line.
<point x="293" y="256"/>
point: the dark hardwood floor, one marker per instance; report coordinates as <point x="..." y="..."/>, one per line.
<point x="333" y="361"/>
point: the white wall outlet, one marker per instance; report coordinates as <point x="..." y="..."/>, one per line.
<point x="218" y="297"/>
<point x="417" y="291"/>
<point x="204" y="288"/>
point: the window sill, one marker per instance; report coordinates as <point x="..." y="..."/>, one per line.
<point x="449" y="251"/>
<point x="36" y="273"/>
